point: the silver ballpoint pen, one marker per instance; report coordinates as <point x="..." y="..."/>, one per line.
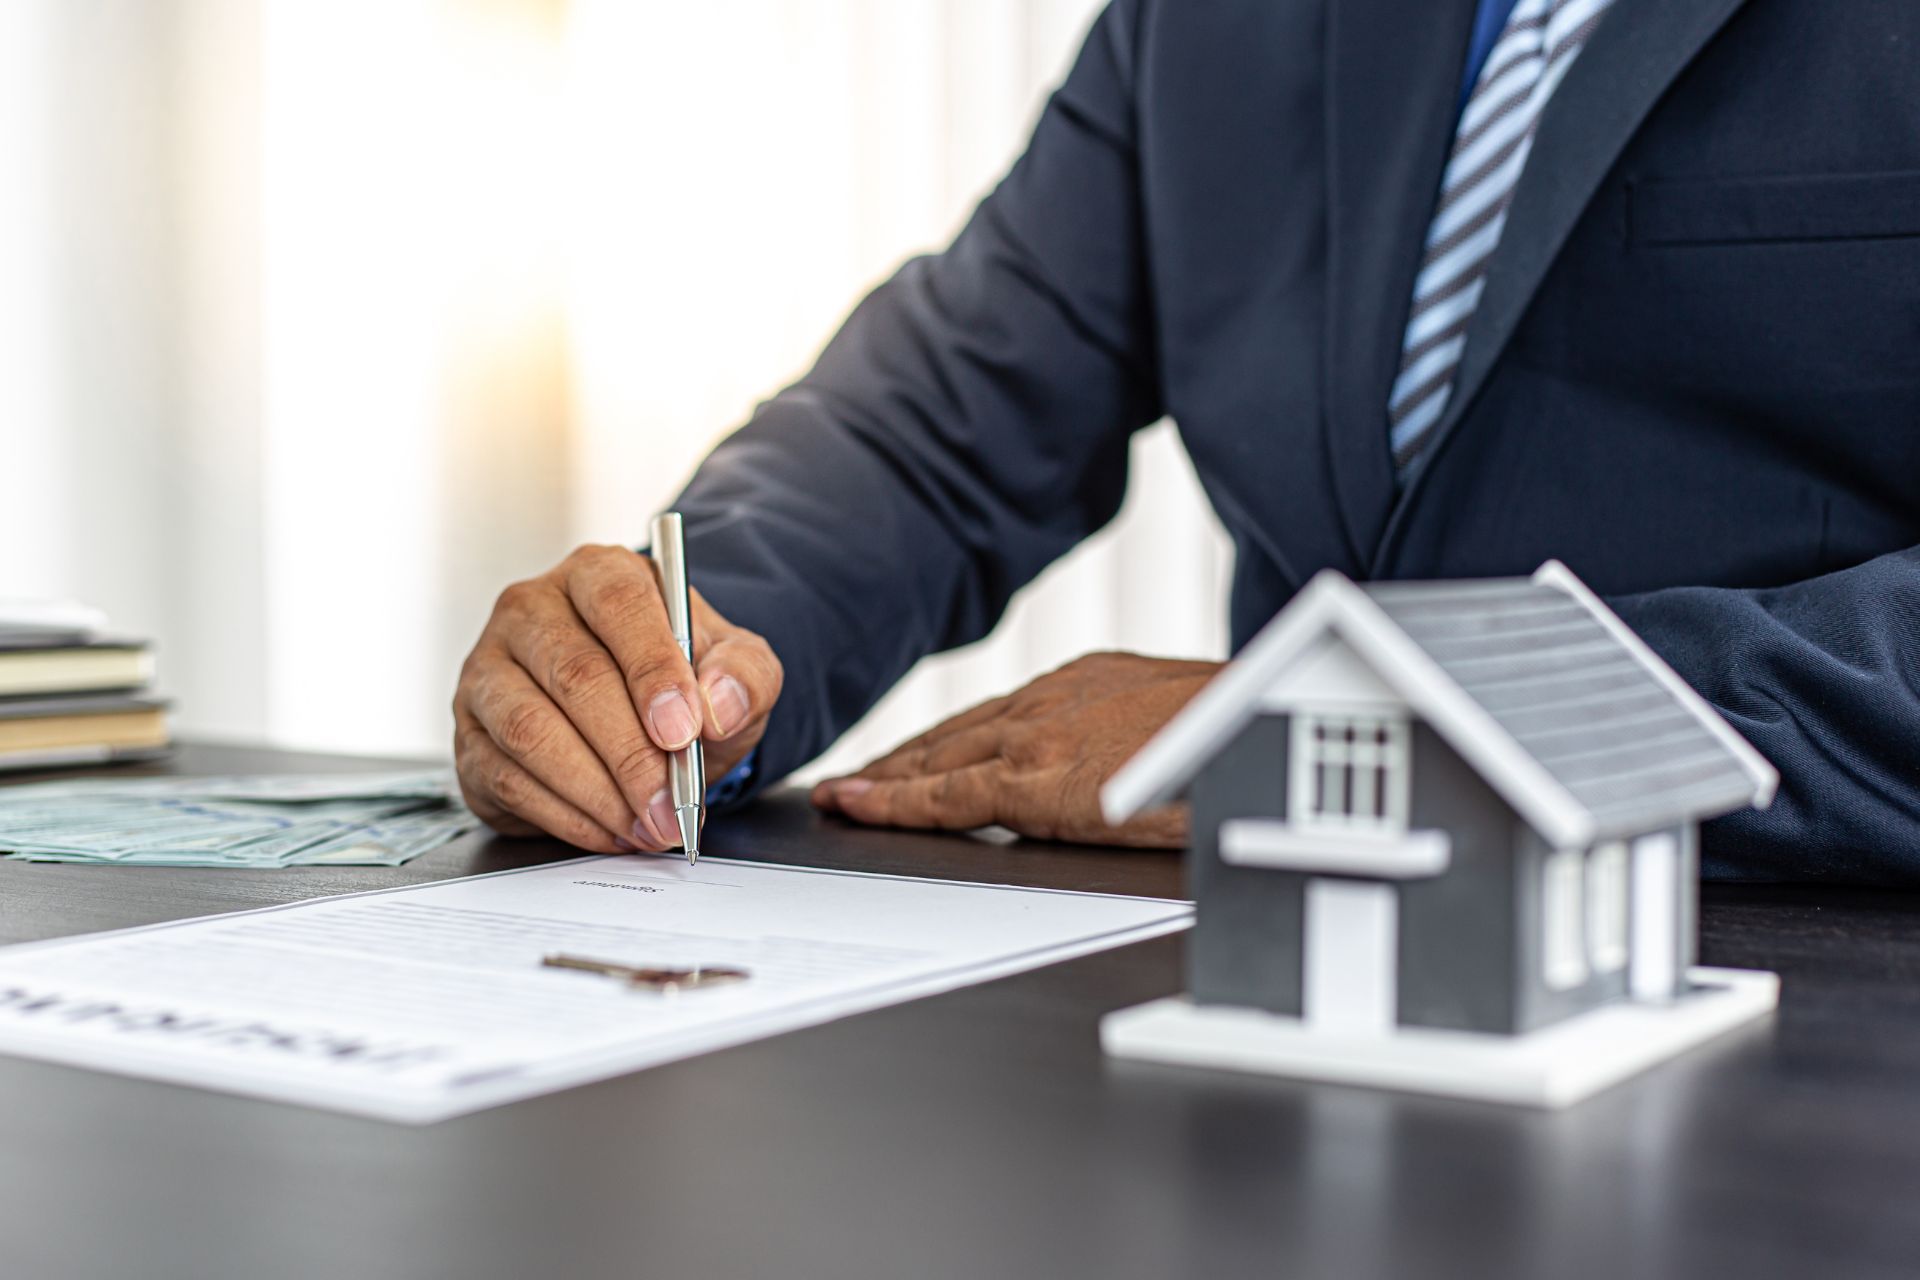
<point x="687" y="768"/>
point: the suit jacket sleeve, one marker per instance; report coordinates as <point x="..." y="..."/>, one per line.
<point x="1823" y="676"/>
<point x="967" y="426"/>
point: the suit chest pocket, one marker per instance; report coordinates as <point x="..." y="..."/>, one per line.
<point x="1796" y="209"/>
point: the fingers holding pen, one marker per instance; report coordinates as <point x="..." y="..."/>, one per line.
<point x="582" y="679"/>
<point x="529" y="729"/>
<point x="617" y="594"/>
<point x="507" y="797"/>
<point x="578" y="691"/>
<point x="740" y="680"/>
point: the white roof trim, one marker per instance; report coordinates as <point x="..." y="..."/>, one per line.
<point x="1766" y="779"/>
<point x="1332" y="603"/>
<point x="1170" y="759"/>
<point x="1269" y="842"/>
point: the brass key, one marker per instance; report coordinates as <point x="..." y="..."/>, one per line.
<point x="648" y="979"/>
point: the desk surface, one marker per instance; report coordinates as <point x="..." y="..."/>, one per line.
<point x="981" y="1133"/>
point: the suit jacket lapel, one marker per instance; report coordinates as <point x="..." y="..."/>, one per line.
<point x="1638" y="50"/>
<point x="1393" y="77"/>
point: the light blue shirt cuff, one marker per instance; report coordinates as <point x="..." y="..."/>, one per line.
<point x="730" y="788"/>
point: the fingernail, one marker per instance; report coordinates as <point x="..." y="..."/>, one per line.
<point x="672" y="720"/>
<point x="665" y="821"/>
<point x="728" y="698"/>
<point x="625" y="846"/>
<point x="852" y="788"/>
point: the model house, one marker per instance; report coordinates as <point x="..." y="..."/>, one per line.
<point x="1459" y="806"/>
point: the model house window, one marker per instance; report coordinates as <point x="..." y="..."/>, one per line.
<point x="1607" y="907"/>
<point x="1563" y="958"/>
<point x="1349" y="772"/>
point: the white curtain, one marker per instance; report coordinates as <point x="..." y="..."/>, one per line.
<point x="321" y="322"/>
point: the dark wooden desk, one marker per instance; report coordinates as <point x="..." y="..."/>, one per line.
<point x="982" y="1134"/>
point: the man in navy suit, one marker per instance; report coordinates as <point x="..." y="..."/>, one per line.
<point x="1432" y="288"/>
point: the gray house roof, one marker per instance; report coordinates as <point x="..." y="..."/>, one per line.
<point x="1559" y="705"/>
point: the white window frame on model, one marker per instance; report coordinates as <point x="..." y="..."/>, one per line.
<point x="1356" y="759"/>
<point x="1563" y="953"/>
<point x="1607" y="907"/>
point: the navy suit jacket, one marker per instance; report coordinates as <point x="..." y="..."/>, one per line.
<point x="1694" y="377"/>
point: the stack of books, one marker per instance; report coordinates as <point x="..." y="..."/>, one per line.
<point x="70" y="694"/>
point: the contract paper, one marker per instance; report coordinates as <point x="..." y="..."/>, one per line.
<point x="420" y="1003"/>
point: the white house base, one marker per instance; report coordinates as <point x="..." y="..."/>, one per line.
<point x="1552" y="1067"/>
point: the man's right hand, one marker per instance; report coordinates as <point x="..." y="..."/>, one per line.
<point x="576" y="691"/>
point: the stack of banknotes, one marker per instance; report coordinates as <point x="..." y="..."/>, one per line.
<point x="380" y="819"/>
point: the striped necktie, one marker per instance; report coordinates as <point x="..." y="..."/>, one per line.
<point x="1491" y="142"/>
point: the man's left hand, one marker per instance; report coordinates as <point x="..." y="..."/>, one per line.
<point x="1033" y="761"/>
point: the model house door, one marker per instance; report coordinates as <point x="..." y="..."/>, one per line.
<point x="1653" y="971"/>
<point x="1352" y="955"/>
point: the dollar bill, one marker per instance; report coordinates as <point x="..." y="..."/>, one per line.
<point x="269" y="821"/>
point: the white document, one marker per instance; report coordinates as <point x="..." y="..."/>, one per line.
<point x="416" y="1004"/>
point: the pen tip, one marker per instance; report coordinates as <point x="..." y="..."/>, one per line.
<point x="689" y="832"/>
